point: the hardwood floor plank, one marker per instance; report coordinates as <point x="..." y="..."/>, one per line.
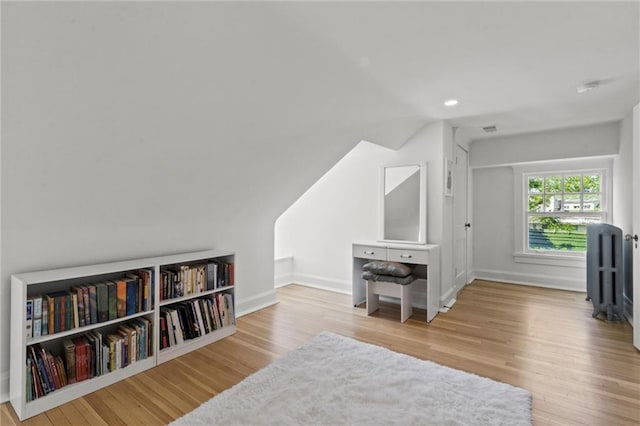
<point x="579" y="370"/>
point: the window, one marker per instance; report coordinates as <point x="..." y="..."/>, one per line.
<point x="559" y="206"/>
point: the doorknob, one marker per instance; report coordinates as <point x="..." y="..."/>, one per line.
<point x="628" y="237"/>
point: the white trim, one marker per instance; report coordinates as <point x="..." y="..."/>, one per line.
<point x="449" y="296"/>
<point x="322" y="283"/>
<point x="419" y="295"/>
<point x="283" y="267"/>
<point x="4" y="387"/>
<point x="422" y="222"/>
<point x="577" y="261"/>
<point x="283" y="280"/>
<point x="255" y="303"/>
<point x="471" y="277"/>
<point x="445" y="308"/>
<point x="536" y="280"/>
<point x="600" y="163"/>
<point x="542" y="163"/>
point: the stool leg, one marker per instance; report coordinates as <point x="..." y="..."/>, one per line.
<point x="406" y="308"/>
<point x="372" y="299"/>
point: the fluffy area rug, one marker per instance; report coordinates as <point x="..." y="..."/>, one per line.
<point x="333" y="379"/>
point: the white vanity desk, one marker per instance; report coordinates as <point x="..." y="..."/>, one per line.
<point x="426" y="257"/>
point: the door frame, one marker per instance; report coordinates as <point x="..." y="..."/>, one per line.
<point x="457" y="194"/>
<point x="636" y="225"/>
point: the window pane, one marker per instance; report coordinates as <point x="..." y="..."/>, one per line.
<point x="553" y="203"/>
<point x="592" y="203"/>
<point x="559" y="233"/>
<point x="571" y="203"/>
<point x="592" y="183"/>
<point x="535" y="203"/>
<point x="572" y="183"/>
<point x="553" y="184"/>
<point x="535" y="185"/>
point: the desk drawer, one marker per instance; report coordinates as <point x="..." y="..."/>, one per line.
<point x="408" y="256"/>
<point x="369" y="252"/>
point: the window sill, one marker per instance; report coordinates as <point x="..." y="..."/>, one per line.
<point x="575" y="261"/>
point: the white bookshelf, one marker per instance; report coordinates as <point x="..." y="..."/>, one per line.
<point x="172" y="352"/>
<point x="27" y="285"/>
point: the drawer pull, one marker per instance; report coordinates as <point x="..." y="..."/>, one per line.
<point x="370" y="253"/>
<point x="406" y="256"/>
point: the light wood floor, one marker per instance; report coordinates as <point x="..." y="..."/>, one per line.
<point x="580" y="371"/>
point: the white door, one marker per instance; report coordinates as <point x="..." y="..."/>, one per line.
<point x="460" y="223"/>
<point x="636" y="226"/>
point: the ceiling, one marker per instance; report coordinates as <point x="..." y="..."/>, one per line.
<point x="515" y="65"/>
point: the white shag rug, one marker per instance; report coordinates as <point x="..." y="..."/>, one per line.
<point x="333" y="379"/>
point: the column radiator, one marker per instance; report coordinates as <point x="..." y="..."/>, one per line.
<point x="605" y="270"/>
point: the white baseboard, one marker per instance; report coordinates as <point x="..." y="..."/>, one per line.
<point x="470" y="278"/>
<point x="4" y="387"/>
<point x="547" y="281"/>
<point x="255" y="303"/>
<point x="283" y="269"/>
<point x="448" y="296"/>
<point x="283" y="280"/>
<point x="344" y="287"/>
<point x="322" y="283"/>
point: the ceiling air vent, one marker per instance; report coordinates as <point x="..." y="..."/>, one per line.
<point x="490" y="129"/>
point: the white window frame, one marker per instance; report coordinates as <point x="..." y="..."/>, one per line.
<point x="522" y="253"/>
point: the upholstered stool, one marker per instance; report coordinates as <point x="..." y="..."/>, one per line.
<point x="379" y="287"/>
<point x="390" y="279"/>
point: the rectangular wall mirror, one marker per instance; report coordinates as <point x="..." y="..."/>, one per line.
<point x="403" y="203"/>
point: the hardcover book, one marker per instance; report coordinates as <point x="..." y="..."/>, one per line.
<point x="132" y="295"/>
<point x="29" y="319"/>
<point x="93" y="304"/>
<point x="121" y="291"/>
<point x="113" y="300"/>
<point x="102" y="296"/>
<point x="37" y="316"/>
<point x="70" y="358"/>
<point x="45" y="317"/>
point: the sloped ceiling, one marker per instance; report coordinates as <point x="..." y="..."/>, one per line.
<point x="282" y="90"/>
<point x="513" y="64"/>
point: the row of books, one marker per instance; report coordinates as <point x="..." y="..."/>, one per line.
<point x="194" y="318"/>
<point x="86" y="356"/>
<point x="184" y="280"/>
<point x="84" y="305"/>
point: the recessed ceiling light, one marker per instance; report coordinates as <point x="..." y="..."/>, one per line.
<point x="588" y="86"/>
<point x="451" y="102"/>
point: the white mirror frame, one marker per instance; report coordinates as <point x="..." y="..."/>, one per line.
<point x="422" y="229"/>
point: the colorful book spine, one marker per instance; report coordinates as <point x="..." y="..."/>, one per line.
<point x="93" y="304"/>
<point x="132" y="296"/>
<point x="45" y="317"/>
<point x="121" y="292"/>
<point x="102" y="296"/>
<point x="113" y="300"/>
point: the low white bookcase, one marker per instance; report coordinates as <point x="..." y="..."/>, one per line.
<point x="218" y="288"/>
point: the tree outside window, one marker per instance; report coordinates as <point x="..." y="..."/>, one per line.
<point x="560" y="206"/>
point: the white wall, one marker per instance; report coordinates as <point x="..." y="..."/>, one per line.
<point x="493" y="198"/>
<point x="569" y="143"/>
<point x="623" y="177"/>
<point x="136" y="129"/>
<point x="342" y="208"/>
